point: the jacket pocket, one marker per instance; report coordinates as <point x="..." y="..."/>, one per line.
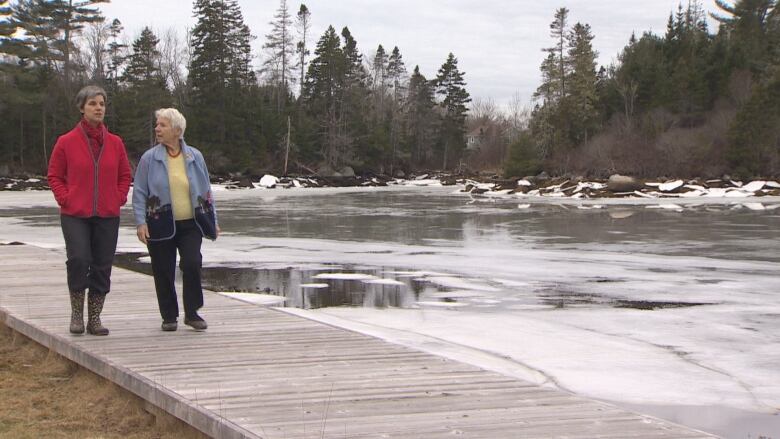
<point x="64" y="201"/>
<point x="160" y="223"/>
<point x="205" y="218"/>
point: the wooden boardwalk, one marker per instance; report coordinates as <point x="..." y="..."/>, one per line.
<point x="262" y="373"/>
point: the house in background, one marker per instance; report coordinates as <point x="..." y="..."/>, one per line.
<point x="475" y="137"/>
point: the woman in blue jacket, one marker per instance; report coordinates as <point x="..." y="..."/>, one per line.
<point x="174" y="210"/>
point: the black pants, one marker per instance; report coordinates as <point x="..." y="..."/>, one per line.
<point x="90" y="244"/>
<point x="187" y="240"/>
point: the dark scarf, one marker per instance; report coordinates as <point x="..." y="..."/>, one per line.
<point x="95" y="136"/>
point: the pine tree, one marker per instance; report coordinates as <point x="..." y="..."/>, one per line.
<point x="7" y="90"/>
<point x="50" y="28"/>
<point x="747" y="23"/>
<point x="355" y="107"/>
<point x="379" y="67"/>
<point x="144" y="61"/>
<point x="354" y="69"/>
<point x="44" y="51"/>
<point x="422" y="119"/>
<point x="755" y="134"/>
<point x="146" y="92"/>
<point x="523" y="156"/>
<point x="281" y="49"/>
<point x="323" y="92"/>
<point x="115" y="51"/>
<point x="451" y="86"/>
<point x="71" y="16"/>
<point x="581" y="59"/>
<point x="221" y="77"/>
<point x="558" y="67"/>
<point x="551" y="118"/>
<point x="303" y="23"/>
<point x="396" y="73"/>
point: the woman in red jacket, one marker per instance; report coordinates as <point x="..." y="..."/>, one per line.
<point x="90" y="176"/>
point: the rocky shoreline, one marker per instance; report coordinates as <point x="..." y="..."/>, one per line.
<point x="617" y="186"/>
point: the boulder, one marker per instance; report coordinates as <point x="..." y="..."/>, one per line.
<point x="347" y="171"/>
<point x="269" y="181"/>
<point x="623" y="183"/>
<point x="245" y="182"/>
<point x="327" y="171"/>
<point x="449" y="180"/>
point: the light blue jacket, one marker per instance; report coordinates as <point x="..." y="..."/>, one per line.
<point x="152" y="203"/>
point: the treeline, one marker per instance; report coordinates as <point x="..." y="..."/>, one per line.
<point x="691" y="102"/>
<point x="309" y="108"/>
<point x="688" y="103"/>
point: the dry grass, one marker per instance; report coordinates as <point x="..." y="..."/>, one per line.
<point x="46" y="395"/>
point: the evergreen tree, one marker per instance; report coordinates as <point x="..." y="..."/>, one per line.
<point x="552" y="116"/>
<point x="685" y="47"/>
<point x="451" y="86"/>
<point x="582" y="83"/>
<point x="144" y="62"/>
<point x="70" y="16"/>
<point x="221" y="80"/>
<point x="396" y="73"/>
<point x="379" y="67"/>
<point x="754" y="137"/>
<point x="281" y="49"/>
<point x="146" y="92"/>
<point x="303" y="22"/>
<point x="748" y="23"/>
<point x="355" y="105"/>
<point x="422" y="119"/>
<point x="523" y="157"/>
<point x="556" y="60"/>
<point x="7" y="29"/>
<point x="50" y="28"/>
<point x="45" y="70"/>
<point x="323" y="93"/>
<point x="354" y="70"/>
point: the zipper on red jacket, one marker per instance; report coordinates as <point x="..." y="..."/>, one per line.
<point x="95" y="162"/>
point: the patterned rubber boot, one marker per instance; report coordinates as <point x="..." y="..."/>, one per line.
<point x="77" y="312"/>
<point x="95" y="307"/>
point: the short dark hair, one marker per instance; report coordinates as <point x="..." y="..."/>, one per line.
<point x="87" y="93"/>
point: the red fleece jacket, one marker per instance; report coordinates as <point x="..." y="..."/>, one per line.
<point x="84" y="186"/>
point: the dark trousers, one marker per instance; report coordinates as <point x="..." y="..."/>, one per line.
<point x="187" y="241"/>
<point x="90" y="244"/>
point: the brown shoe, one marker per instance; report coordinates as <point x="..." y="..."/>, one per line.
<point x="169" y="326"/>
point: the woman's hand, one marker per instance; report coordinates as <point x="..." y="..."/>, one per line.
<point x="218" y="232"/>
<point x="143" y="233"/>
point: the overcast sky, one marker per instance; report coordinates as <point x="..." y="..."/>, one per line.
<point x="497" y="42"/>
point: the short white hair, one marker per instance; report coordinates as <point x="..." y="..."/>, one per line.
<point x="176" y="119"/>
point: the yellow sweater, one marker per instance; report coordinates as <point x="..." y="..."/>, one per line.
<point x="180" y="188"/>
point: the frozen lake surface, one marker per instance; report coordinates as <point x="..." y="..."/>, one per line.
<point x="666" y="307"/>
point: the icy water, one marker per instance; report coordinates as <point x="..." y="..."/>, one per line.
<point x="440" y="223"/>
<point x="667" y="309"/>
